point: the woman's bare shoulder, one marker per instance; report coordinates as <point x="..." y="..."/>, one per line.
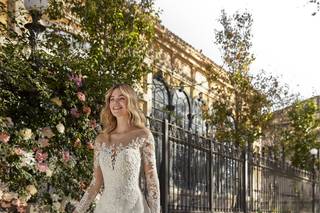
<point x="101" y="137"/>
<point x="144" y="132"/>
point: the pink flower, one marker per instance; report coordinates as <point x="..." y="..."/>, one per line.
<point x="74" y="113"/>
<point x="4" y="137"/>
<point x="90" y="145"/>
<point x="44" y="142"/>
<point x="47" y="132"/>
<point x="66" y="156"/>
<point x="42" y="167"/>
<point x="86" y="110"/>
<point x="81" y="96"/>
<point x="40" y="156"/>
<point x="93" y="123"/>
<point x="77" y="79"/>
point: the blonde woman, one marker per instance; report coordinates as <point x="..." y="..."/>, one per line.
<point x="121" y="149"/>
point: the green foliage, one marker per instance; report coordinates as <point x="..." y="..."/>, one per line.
<point x="50" y="100"/>
<point x="234" y="41"/>
<point x="237" y="111"/>
<point x="243" y="108"/>
<point x="317" y="4"/>
<point x="299" y="135"/>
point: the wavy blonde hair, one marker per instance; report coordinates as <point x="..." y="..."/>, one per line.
<point x="136" y="116"/>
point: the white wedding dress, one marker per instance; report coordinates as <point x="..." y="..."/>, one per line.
<point x="117" y="169"/>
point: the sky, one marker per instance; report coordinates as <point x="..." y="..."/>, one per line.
<point x="286" y="37"/>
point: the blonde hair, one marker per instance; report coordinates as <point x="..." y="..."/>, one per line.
<point x="136" y="116"/>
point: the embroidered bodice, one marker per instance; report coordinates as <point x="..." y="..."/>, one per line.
<point x="117" y="167"/>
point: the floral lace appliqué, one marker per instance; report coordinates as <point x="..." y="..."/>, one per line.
<point x="115" y="149"/>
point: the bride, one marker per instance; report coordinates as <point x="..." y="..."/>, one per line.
<point x="121" y="149"/>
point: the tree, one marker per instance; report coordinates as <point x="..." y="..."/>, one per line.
<point x="299" y="133"/>
<point x="317" y="3"/>
<point x="242" y="107"/>
<point x="50" y="101"/>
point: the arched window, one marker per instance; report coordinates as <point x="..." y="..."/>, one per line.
<point x="198" y="123"/>
<point x="160" y="99"/>
<point x="181" y="105"/>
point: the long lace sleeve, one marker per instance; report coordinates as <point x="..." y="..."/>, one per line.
<point x="95" y="185"/>
<point x="150" y="170"/>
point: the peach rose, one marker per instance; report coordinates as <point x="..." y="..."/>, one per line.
<point x="81" y="96"/>
<point x="86" y="110"/>
<point x="4" y="137"/>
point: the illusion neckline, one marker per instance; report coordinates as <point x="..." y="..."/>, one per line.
<point x="116" y="147"/>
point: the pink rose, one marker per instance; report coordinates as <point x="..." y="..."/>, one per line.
<point x="90" y="145"/>
<point x="86" y="110"/>
<point x="4" y="137"/>
<point x="42" y="167"/>
<point x="66" y="156"/>
<point x="47" y="132"/>
<point x="40" y="156"/>
<point x="81" y="96"/>
<point x="44" y="142"/>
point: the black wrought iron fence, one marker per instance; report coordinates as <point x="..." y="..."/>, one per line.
<point x="199" y="175"/>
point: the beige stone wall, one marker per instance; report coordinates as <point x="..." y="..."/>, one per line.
<point x="180" y="62"/>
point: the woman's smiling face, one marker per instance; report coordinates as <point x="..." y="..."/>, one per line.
<point x="118" y="103"/>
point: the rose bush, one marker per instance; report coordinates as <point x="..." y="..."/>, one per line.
<point x="50" y="100"/>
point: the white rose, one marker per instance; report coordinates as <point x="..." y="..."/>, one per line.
<point x="26" y="133"/>
<point x="56" y="205"/>
<point x="32" y="189"/>
<point x="60" y="128"/>
<point x="28" y="159"/>
<point x="55" y="197"/>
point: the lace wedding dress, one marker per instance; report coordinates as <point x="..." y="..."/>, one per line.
<point x="117" y="169"/>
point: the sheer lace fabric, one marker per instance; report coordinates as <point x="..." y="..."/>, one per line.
<point x="117" y="168"/>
